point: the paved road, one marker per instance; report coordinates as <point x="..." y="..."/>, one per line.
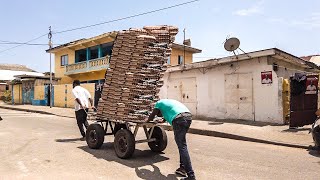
<point x="35" y="146"/>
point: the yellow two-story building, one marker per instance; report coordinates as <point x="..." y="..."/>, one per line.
<point x="88" y="59"/>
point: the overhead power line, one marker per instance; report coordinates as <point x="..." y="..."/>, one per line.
<point x="32" y="44"/>
<point x="128" y="17"/>
<point x="23" y="43"/>
<point x="83" y="27"/>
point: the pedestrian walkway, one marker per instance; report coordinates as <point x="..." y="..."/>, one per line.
<point x="254" y="132"/>
<point x="62" y="112"/>
<point x="20" y="114"/>
<point x="232" y="129"/>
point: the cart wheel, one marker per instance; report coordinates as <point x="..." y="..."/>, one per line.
<point x="95" y="136"/>
<point x="118" y="126"/>
<point x="124" y="143"/>
<point x="161" y="139"/>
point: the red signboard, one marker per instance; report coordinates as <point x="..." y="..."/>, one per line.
<point x="312" y="84"/>
<point x="266" y="77"/>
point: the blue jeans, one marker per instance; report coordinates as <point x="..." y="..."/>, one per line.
<point x="180" y="128"/>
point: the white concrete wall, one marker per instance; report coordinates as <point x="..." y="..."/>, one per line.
<point x="211" y="90"/>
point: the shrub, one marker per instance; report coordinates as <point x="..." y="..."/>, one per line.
<point x="7" y="96"/>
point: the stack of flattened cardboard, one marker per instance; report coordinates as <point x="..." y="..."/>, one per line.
<point x="134" y="78"/>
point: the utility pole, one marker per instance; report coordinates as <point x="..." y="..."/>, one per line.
<point x="50" y="46"/>
<point x="184" y="48"/>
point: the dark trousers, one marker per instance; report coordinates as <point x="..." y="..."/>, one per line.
<point x="81" y="117"/>
<point x="180" y="128"/>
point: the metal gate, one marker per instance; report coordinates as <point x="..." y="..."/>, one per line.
<point x="303" y="101"/>
<point x="185" y="91"/>
<point x="238" y="96"/>
<point x="27" y="92"/>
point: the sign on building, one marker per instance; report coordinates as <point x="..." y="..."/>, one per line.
<point x="266" y="77"/>
<point x="311" y="85"/>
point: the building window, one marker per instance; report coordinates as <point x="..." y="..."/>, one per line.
<point x="180" y="59"/>
<point x="81" y="55"/>
<point x="106" y="49"/>
<point x="94" y="52"/>
<point x="64" y="60"/>
<point x="168" y="62"/>
<point x="7" y="87"/>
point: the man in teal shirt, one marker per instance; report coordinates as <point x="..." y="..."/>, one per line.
<point x="179" y="116"/>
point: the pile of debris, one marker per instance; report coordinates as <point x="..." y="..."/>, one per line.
<point x="137" y="65"/>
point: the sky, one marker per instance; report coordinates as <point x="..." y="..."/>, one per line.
<point x="292" y="26"/>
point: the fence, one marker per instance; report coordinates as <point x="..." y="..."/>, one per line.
<point x="62" y="94"/>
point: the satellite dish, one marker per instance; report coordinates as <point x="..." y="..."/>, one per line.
<point x="232" y="44"/>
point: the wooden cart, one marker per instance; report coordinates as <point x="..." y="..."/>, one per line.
<point x="125" y="134"/>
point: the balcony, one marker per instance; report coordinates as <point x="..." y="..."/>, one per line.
<point x="88" y="66"/>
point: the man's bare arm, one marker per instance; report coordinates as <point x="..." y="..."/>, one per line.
<point x="91" y="102"/>
<point x="79" y="102"/>
<point x="153" y="114"/>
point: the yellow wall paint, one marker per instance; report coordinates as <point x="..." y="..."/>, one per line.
<point x="17" y="93"/>
<point x="174" y="56"/>
<point x="39" y="93"/>
<point x="59" y="95"/>
<point x="60" y="70"/>
<point x="88" y="76"/>
<point x="62" y="99"/>
<point x="286" y="100"/>
<point x="70" y="98"/>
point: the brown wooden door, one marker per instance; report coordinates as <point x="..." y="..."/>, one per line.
<point x="303" y="101"/>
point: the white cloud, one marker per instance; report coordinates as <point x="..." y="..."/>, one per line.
<point x="276" y="20"/>
<point x="310" y="22"/>
<point x="313" y="21"/>
<point x="255" y="9"/>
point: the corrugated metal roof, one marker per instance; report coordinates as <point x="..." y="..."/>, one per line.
<point x="15" y="67"/>
<point x="241" y="57"/>
<point x="7" y="75"/>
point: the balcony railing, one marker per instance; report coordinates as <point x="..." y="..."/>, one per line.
<point x="87" y="66"/>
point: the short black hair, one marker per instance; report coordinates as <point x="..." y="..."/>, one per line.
<point x="76" y="82"/>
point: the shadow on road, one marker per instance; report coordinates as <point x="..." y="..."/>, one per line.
<point x="296" y="130"/>
<point x="238" y="121"/>
<point x="215" y="123"/>
<point x="314" y="152"/>
<point x="68" y="140"/>
<point x="139" y="159"/>
<point x="155" y="174"/>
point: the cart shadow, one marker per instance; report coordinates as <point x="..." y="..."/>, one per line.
<point x="68" y="140"/>
<point x="139" y="159"/>
<point x="313" y="151"/>
<point x="296" y="130"/>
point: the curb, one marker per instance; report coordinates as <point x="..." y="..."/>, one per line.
<point x="32" y="111"/>
<point x="237" y="137"/>
<point x="193" y="131"/>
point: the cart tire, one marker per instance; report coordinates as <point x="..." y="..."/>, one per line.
<point x="161" y="139"/>
<point x="95" y="136"/>
<point x="124" y="143"/>
<point x="119" y="126"/>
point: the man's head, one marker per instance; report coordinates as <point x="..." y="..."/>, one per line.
<point x="76" y="83"/>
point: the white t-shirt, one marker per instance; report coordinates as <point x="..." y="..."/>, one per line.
<point x="83" y="95"/>
<point x="266" y="81"/>
<point x="311" y="87"/>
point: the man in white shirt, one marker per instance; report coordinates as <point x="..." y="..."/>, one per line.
<point x="81" y="106"/>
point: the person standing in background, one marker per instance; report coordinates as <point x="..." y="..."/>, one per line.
<point x="82" y="99"/>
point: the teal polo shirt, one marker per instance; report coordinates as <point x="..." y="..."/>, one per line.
<point x="170" y="109"/>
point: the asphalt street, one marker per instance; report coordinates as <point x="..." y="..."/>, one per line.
<point x="37" y="146"/>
